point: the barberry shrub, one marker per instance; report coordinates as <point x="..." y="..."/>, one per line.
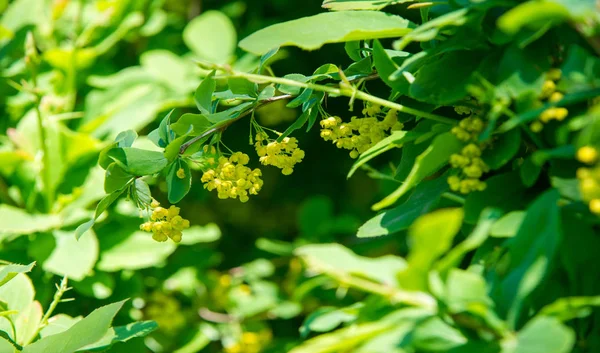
<point x="494" y="109"/>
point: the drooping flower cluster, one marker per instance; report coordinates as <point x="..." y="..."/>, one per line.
<point x="165" y="223"/>
<point x="589" y="178"/>
<point x="469" y="160"/>
<point x="360" y="134"/>
<point x="468" y="129"/>
<point x="283" y="155"/>
<point x="550" y="94"/>
<point x="232" y="178"/>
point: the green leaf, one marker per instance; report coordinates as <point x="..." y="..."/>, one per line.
<point x="544" y="335"/>
<point x="496" y="195"/>
<point x="472" y="242"/>
<point x="178" y="187"/>
<point x="87" y="331"/>
<point x="395" y="140"/>
<point x="565" y="309"/>
<point x="529" y="172"/>
<point x="533" y="15"/>
<point x="116" y="178"/>
<point x="466" y="290"/>
<point x="345" y="5"/>
<point x="429" y="237"/>
<point x="18" y="293"/>
<point x="8" y="272"/>
<point x="508" y="225"/>
<point x="264" y="59"/>
<point x="353" y="50"/>
<point x="430" y="161"/>
<point x="201" y="234"/>
<point x="289" y="89"/>
<point x="72" y="257"/>
<point x="137" y="161"/>
<point x="301" y="98"/>
<point x="7" y="337"/>
<point x="228" y="114"/>
<point x="15" y="221"/>
<point x="204" y="93"/>
<point x="172" y="150"/>
<point x="162" y="132"/>
<point x="332" y="27"/>
<point x="335" y="258"/>
<point x="211" y="36"/>
<point x="148" y="252"/>
<point x="531" y="252"/>
<point x="435" y="84"/>
<point x="121" y="334"/>
<point x="191" y="124"/>
<point x="386" y="66"/>
<point x="425" y="196"/>
<point x="309" y="114"/>
<point x="239" y="85"/>
<point x="521" y="71"/>
<point x="351" y="337"/>
<point x="429" y="30"/>
<point x="100" y="208"/>
<point x="266" y="93"/>
<point x="325" y="319"/>
<point x="123" y="139"/>
<point x="140" y="192"/>
<point x="503" y="149"/>
<point x="434" y="335"/>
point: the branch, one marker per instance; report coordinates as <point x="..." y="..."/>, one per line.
<point x="224" y="125"/>
<point x="343" y="90"/>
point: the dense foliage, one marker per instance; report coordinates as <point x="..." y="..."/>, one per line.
<point x="207" y="196"/>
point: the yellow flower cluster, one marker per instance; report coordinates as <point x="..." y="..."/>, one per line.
<point x="550" y="94"/>
<point x="360" y="134"/>
<point x="165" y="223"/>
<point x="469" y="160"/>
<point x="468" y="129"/>
<point x="589" y="178"/>
<point x="250" y="342"/>
<point x="232" y="178"/>
<point x="283" y="155"/>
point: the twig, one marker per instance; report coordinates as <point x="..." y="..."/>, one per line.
<point x="60" y="291"/>
<point x="227" y="123"/>
<point x="212" y="316"/>
<point x="343" y="90"/>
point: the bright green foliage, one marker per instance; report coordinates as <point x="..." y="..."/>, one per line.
<point x="475" y="129"/>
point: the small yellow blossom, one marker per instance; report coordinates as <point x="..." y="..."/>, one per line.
<point x="595" y="206"/>
<point x="360" y="134"/>
<point x="587" y="154"/>
<point x="165" y="223"/>
<point x="181" y="173"/>
<point x="283" y="155"/>
<point x="232" y="178"/>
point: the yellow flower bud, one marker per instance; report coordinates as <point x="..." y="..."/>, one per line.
<point x="181" y="173"/>
<point x="555" y="97"/>
<point x="595" y="206"/>
<point x="536" y="126"/>
<point x="547" y="89"/>
<point x="587" y="154"/>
